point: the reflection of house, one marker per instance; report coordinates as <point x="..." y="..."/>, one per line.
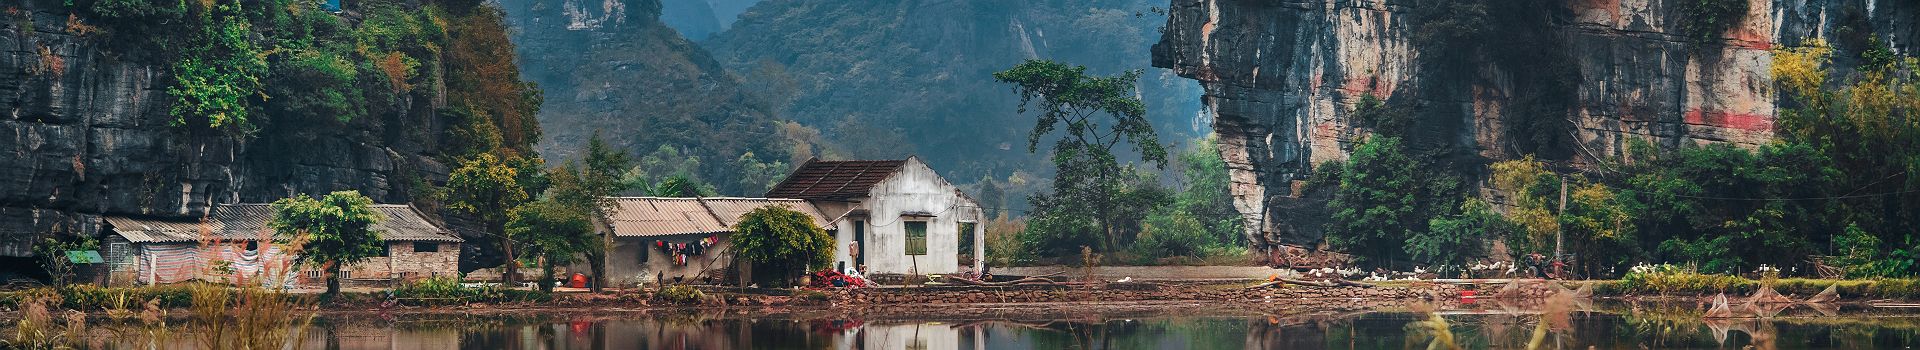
<point x="226" y="244"/>
<point x="903" y="217"/>
<point x="677" y="237"/>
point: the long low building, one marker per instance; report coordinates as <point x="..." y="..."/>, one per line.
<point x="653" y="238"/>
<point x="229" y="245"/>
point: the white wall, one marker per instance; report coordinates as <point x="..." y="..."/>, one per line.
<point x="914" y="188"/>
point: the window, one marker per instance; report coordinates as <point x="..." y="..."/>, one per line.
<point x="916" y="238"/>
<point x="426" y="247"/>
<point x="346" y="274"/>
<point x="314" y="274"/>
<point x="117" y="254"/>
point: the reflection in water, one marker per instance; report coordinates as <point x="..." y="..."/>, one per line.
<point x="1480" y="326"/>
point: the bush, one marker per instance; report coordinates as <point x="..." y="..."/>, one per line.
<point x="1705" y="20"/>
<point x="1172" y="234"/>
<point x="448" y="290"/>
<point x="1665" y="279"/>
<point x="679" y="294"/>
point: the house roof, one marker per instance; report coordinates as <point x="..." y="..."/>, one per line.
<point x="834" y="180"/>
<point x="657" y="216"/>
<point x="246" y="222"/>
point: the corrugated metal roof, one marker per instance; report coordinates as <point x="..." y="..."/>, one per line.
<point x="834" y="180"/>
<point x="729" y="210"/>
<point x="245" y="222"/>
<point x="650" y="216"/>
<point x="655" y="216"/>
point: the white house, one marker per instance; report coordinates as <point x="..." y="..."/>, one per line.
<point x="891" y="217"/>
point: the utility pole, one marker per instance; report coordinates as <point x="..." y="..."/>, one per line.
<point x="1559" y="234"/>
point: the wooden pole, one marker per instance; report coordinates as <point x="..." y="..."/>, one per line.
<point x="1559" y="234"/>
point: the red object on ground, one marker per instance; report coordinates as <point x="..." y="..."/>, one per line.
<point x="827" y="279"/>
<point x="578" y="281"/>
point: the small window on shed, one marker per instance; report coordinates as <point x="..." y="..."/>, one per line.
<point x="916" y="238"/>
<point x="426" y="247"/>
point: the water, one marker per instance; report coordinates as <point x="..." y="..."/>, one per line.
<point x="1473" y="327"/>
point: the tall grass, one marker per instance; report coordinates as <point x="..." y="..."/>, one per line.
<point x="248" y="318"/>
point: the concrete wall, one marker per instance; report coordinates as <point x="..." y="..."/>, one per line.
<point x="914" y="188"/>
<point x="624" y="266"/>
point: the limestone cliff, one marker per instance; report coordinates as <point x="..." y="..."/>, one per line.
<point x="1281" y="78"/>
<point x="88" y="133"/>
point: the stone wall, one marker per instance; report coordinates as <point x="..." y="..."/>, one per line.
<point x="1128" y="292"/>
<point x="1281" y="78"/>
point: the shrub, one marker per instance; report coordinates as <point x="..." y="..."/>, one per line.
<point x="1668" y="279"/>
<point x="679" y="294"/>
<point x="1705" y="20"/>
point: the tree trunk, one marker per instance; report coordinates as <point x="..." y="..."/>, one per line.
<point x="546" y="276"/>
<point x="598" y="264"/>
<point x="333" y="279"/>
<point x="511" y="270"/>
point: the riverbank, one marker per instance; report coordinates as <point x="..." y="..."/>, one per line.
<point x="929" y="301"/>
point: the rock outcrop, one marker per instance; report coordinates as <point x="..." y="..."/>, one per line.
<point x="87" y="134"/>
<point x="1281" y="78"/>
<point x="612" y="67"/>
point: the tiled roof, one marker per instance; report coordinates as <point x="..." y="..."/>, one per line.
<point x="655" y="216"/>
<point x="834" y="180"/>
<point x="245" y="222"/>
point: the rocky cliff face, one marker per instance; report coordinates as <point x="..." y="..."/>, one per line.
<point x="887" y="79"/>
<point x="87" y="134"/>
<point x="1281" y="78"/>
<point x="612" y="67"/>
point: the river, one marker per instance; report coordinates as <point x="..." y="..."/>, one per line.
<point x="1611" y="325"/>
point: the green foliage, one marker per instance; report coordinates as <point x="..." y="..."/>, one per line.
<point x="220" y="73"/>
<point x="1093" y="114"/>
<point x="1372" y="112"/>
<point x="1374" y="206"/>
<point x="1675" y="280"/>
<point x="488" y="188"/>
<point x="1060" y="226"/>
<point x="553" y="231"/>
<point x="447" y="290"/>
<point x="1454" y="239"/>
<point x="1705" y="20"/>
<point x="87" y="297"/>
<point x="332" y="232"/>
<point x="679" y="294"/>
<point x="53" y="256"/>
<point x="667" y="172"/>
<point x="1859" y="254"/>
<point x="781" y="242"/>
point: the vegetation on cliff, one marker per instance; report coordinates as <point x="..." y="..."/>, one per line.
<point x="1835" y="194"/>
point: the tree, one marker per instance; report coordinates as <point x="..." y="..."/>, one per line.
<point x="584" y="193"/>
<point x="781" y="242"/>
<point x="1452" y="239"/>
<point x="488" y="188"/>
<point x="334" y="231"/>
<point x="557" y="234"/>
<point x="1375" y="207"/>
<point x="1094" y="115"/>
